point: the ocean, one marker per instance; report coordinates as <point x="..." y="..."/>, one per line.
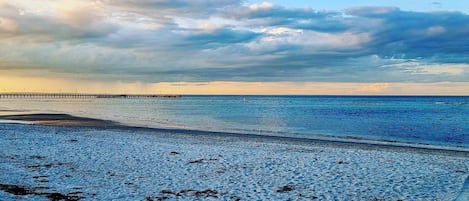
<point x="434" y="120"/>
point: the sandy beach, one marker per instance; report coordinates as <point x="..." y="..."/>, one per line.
<point x="44" y="162"/>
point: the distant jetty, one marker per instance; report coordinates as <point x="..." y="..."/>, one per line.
<point x="82" y="96"/>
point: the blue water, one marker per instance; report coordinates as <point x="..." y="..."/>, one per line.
<point x="432" y="120"/>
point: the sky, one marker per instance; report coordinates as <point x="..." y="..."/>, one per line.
<point x="235" y="47"/>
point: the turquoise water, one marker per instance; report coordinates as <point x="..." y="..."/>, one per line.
<point x="432" y="120"/>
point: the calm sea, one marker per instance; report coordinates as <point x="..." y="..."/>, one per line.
<point x="433" y="120"/>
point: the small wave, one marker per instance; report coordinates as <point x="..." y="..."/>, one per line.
<point x="2" y="121"/>
<point x="450" y="103"/>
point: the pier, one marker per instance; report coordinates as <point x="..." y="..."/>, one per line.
<point x="81" y="96"/>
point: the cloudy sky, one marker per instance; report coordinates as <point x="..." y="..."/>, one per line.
<point x="235" y="47"/>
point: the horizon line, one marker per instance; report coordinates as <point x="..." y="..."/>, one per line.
<point x="221" y="94"/>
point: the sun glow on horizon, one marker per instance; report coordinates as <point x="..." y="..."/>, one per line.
<point x="61" y="85"/>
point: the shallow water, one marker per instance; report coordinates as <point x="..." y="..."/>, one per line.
<point x="432" y="120"/>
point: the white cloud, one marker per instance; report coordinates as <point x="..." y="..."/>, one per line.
<point x="417" y="68"/>
<point x="448" y="69"/>
<point x="281" y="30"/>
<point x="261" y="6"/>
<point x="314" y="41"/>
<point x="208" y="25"/>
<point x="79" y="13"/>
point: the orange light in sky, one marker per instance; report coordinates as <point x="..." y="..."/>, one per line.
<point x="59" y="85"/>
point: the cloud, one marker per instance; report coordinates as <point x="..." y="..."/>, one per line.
<point x="78" y="13"/>
<point x="419" y="35"/>
<point x="374" y="88"/>
<point x="208" y="26"/>
<point x="207" y="40"/>
<point x="261" y="6"/>
<point x="8" y="25"/>
<point x="66" y="21"/>
<point x="371" y="11"/>
<point x="220" y="37"/>
<point x="447" y="69"/>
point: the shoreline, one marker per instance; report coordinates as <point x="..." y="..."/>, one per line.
<point x="58" y="120"/>
<point x="51" y="119"/>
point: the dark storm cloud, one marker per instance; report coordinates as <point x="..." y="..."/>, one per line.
<point x="440" y="35"/>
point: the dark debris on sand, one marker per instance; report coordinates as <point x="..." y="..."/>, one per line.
<point x="48" y="165"/>
<point x="312" y="197"/>
<point x="38" y="157"/>
<point x="53" y="196"/>
<point x="203" y="160"/>
<point x="160" y="198"/>
<point x="284" y="189"/>
<point x="168" y="194"/>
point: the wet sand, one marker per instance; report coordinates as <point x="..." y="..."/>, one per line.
<point x="58" y="120"/>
